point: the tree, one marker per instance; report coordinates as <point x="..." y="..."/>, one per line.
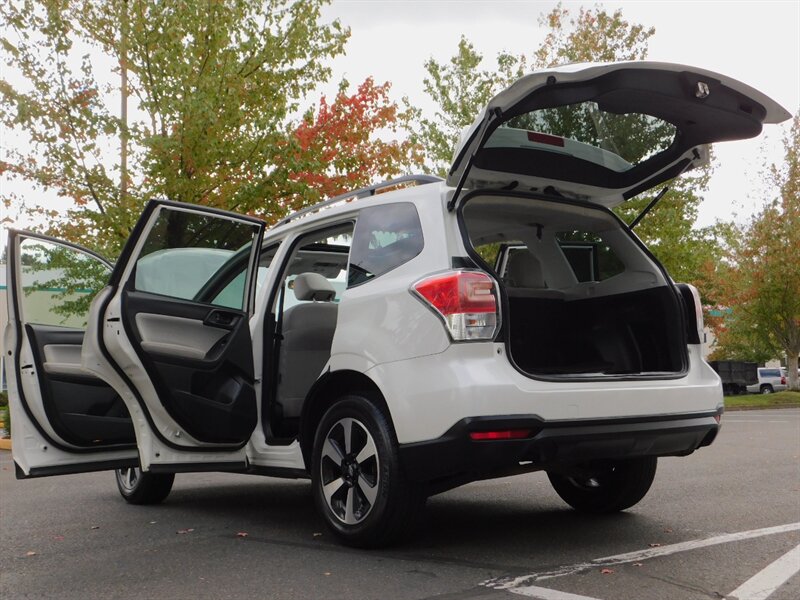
<point x="461" y="87"/>
<point x="215" y="86"/>
<point x="761" y="281"/>
<point x="336" y="147"/>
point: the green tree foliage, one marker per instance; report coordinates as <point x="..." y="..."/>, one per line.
<point x="71" y="278"/>
<point x="461" y="87"/>
<point x="217" y="90"/>
<point x="760" y="283"/>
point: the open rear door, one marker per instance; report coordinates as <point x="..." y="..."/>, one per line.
<point x="171" y="333"/>
<point x="65" y="419"/>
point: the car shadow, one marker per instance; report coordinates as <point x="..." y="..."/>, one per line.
<point x="471" y="526"/>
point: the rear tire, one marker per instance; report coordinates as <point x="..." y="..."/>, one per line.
<point x="610" y="486"/>
<point x="143" y="488"/>
<point x="359" y="487"/>
<point x="766" y="389"/>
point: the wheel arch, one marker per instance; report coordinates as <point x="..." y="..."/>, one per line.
<point x="327" y="389"/>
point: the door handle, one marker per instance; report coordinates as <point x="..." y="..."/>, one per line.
<point x="222" y="318"/>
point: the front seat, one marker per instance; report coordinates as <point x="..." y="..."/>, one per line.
<point x="307" y="338"/>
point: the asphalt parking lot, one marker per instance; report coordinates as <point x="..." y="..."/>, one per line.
<point x="722" y="523"/>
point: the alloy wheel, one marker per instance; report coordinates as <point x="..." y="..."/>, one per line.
<point x="349" y="471"/>
<point x="128" y="478"/>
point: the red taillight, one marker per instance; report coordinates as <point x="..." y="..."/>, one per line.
<point x="783" y="380"/>
<point x="465" y="300"/>
<point x="503" y="434"/>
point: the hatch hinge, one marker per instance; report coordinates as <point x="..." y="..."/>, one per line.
<point x="485" y="131"/>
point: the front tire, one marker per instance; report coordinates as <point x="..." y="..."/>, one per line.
<point x="143" y="488"/>
<point x="358" y="484"/>
<point x="610" y="486"/>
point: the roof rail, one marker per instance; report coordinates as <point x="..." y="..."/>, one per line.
<point x="361" y="193"/>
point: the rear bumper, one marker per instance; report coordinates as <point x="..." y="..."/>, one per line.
<point x="455" y="457"/>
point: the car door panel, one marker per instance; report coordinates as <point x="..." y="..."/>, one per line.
<point x="82" y="409"/>
<point x="65" y="419"/>
<point x="171" y="333"/>
<point x="203" y="372"/>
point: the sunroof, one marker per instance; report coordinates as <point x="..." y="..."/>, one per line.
<point x="616" y="141"/>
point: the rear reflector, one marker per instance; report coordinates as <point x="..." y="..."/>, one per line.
<point x="503" y="434"/>
<point x="466" y="301"/>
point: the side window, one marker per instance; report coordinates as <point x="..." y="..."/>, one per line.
<point x="194" y="256"/>
<point x="58" y="283"/>
<point x="590" y="257"/>
<point x="386" y="236"/>
<point x="232" y="290"/>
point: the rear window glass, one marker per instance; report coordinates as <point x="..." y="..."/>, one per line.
<point x="386" y="236"/>
<point x="590" y="258"/>
<point x="615" y="141"/>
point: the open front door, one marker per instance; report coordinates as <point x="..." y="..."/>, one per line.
<point x="65" y="419"/>
<point x="171" y="333"/>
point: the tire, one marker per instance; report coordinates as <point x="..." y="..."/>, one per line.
<point x="607" y="487"/>
<point x="143" y="488"/>
<point x="359" y="487"/>
<point x="766" y="389"/>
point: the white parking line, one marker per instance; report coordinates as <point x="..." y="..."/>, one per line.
<point x="512" y="583"/>
<point x="764" y="583"/>
<point x="540" y="593"/>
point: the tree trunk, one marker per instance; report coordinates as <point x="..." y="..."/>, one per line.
<point x="792" y="377"/>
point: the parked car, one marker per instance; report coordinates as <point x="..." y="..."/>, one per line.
<point x="390" y="346"/>
<point x="769" y="380"/>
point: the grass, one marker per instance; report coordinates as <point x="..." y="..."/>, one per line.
<point x="775" y="400"/>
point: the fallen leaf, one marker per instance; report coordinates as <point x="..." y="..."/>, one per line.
<point x="327" y="573"/>
<point x="637" y="564"/>
<point x="58" y="538"/>
<point x="668" y="531"/>
<point x="242" y="534"/>
<point x="655" y="545"/>
<point x="30" y="553"/>
<point x="182" y="531"/>
<point x="317" y="534"/>
<point x="607" y="571"/>
<point x="153" y="522"/>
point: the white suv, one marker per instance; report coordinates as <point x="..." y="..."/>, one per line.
<point x="394" y="345"/>
<point x="769" y="380"/>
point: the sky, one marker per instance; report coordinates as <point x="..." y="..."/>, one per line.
<point x="755" y="42"/>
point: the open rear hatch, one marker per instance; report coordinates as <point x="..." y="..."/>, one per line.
<point x="535" y="176"/>
<point x="605" y="132"/>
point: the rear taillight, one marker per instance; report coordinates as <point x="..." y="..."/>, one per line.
<point x="783" y="380"/>
<point x="698" y="312"/>
<point x="466" y="301"/>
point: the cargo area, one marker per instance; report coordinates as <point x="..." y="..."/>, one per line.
<point x="584" y="300"/>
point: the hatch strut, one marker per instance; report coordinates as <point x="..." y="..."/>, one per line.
<point x="487" y="130"/>
<point x="660" y="194"/>
<point x="647" y="208"/>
